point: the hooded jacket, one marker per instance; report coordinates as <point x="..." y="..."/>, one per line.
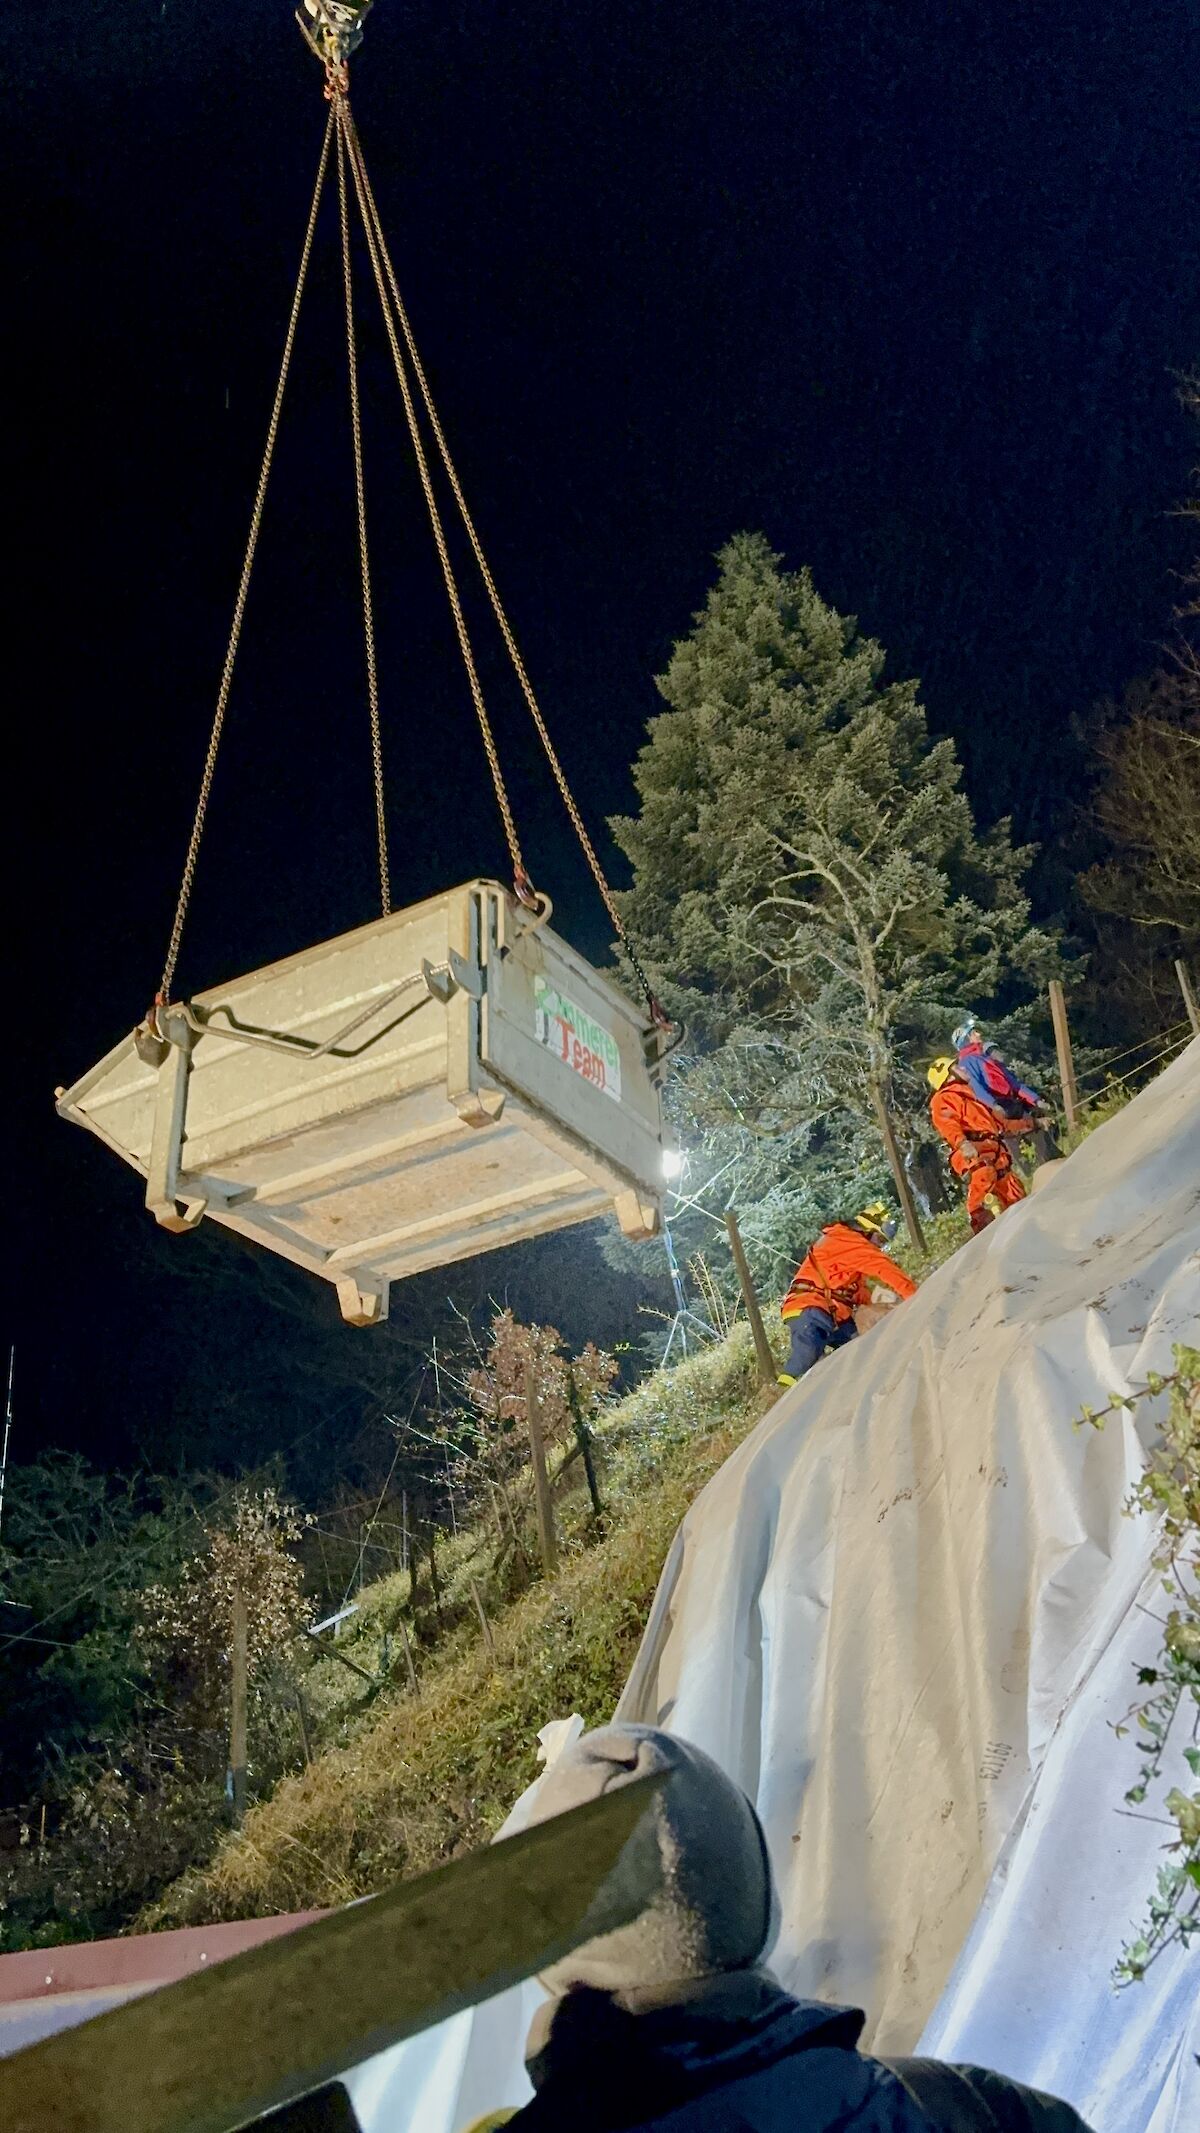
<point x="736" y="2054"/>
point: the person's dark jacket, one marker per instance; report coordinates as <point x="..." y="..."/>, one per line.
<point x="739" y="2055"/>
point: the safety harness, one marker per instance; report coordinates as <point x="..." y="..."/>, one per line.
<point x="846" y="1294"/>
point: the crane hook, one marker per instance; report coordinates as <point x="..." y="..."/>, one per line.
<point x="335" y="30"/>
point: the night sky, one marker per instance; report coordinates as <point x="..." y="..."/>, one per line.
<point x="906" y="286"/>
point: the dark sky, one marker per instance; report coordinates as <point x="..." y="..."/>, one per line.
<point x="905" y="286"/>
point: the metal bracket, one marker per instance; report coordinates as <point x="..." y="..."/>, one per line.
<point x="363" y="1299"/>
<point x="657" y="1046"/>
<point x="443" y="980"/>
<point x="480" y="1107"/>
<point x="149" y="1046"/>
<point x="171" y="1205"/>
<point x="638" y="1218"/>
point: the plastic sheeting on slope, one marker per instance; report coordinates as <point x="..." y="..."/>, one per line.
<point x="900" y="1616"/>
<point x="1031" y="1991"/>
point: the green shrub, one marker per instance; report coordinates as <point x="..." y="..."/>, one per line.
<point x="1169" y="1491"/>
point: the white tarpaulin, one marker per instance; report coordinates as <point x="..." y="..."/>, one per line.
<point x="904" y="1616"/>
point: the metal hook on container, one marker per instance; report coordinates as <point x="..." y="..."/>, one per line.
<point x="532" y="917"/>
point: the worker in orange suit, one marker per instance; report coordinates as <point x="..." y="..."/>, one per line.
<point x="833" y="1280"/>
<point x="976" y="1134"/>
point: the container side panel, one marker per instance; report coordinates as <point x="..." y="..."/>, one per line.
<point x="574" y="1050"/>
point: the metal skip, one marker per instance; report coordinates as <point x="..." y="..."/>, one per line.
<point x="441" y="1082"/>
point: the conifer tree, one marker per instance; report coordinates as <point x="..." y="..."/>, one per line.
<point x="809" y="887"/>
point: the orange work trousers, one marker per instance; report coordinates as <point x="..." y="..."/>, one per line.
<point x="985" y="1173"/>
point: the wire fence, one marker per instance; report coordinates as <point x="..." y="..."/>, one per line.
<point x="1165" y="1040"/>
<point x="1175" y="1040"/>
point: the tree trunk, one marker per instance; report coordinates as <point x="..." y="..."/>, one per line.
<point x="900" y="1175"/>
<point x="541" y="1481"/>
<point x="584" y="1442"/>
<point x="762" y="1346"/>
<point x="879" y="1078"/>
<point x="302" y="1715"/>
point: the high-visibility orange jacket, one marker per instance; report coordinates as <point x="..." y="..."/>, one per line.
<point x="835" y="1274"/>
<point x="959" y="1116"/>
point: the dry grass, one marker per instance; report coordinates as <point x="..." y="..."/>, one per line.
<point x="415" y="1782"/>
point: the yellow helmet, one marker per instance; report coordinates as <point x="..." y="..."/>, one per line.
<point x="939" y="1073"/>
<point x="877" y="1220"/>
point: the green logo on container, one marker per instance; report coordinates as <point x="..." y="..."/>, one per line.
<point x="575" y="1037"/>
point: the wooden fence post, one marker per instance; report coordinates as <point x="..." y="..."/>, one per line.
<point x="768" y="1368"/>
<point x="1062" y="1044"/>
<point x="541" y="1480"/>
<point x="584" y="1441"/>
<point x="237" y="1707"/>
<point x="1189" y="997"/>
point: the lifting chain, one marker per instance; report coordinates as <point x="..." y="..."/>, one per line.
<point x="521" y="881"/>
<point x="239" y="606"/>
<point x="378" y="242"/>
<point x="335" y="30"/>
<point x="361" y="500"/>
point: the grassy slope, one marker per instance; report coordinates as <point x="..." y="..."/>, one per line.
<point x="412" y="1782"/>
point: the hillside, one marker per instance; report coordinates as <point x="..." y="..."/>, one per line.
<point x="398" y="1783"/>
<point x="405" y="1781"/>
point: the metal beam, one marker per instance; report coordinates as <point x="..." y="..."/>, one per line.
<point x="226" y="2045"/>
